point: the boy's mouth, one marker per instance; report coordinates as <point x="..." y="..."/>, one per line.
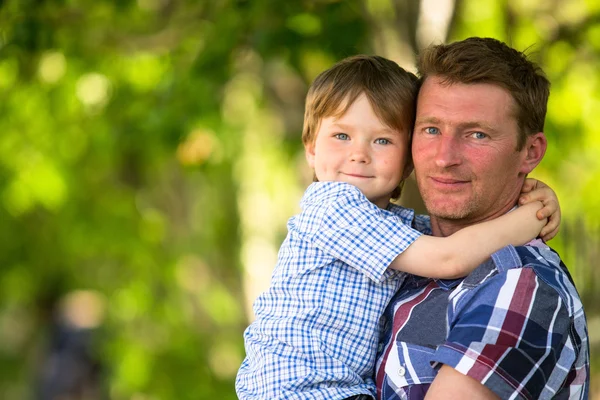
<point x="354" y="175"/>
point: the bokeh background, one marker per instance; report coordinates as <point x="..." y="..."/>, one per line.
<point x="150" y="156"/>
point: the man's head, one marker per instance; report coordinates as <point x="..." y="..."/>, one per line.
<point x="478" y="129"/>
<point x="487" y="60"/>
<point x="390" y="91"/>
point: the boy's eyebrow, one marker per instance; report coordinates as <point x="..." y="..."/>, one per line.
<point x="342" y="127"/>
<point x="462" y="125"/>
<point x="346" y="127"/>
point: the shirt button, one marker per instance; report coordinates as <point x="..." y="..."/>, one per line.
<point x="401" y="370"/>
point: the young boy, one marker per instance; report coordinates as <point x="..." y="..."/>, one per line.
<point x="317" y="326"/>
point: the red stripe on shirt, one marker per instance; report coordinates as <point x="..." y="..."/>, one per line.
<point x="401" y="316"/>
<point x="512" y="327"/>
<point x="518" y="310"/>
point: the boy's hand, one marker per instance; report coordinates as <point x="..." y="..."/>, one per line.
<point x="534" y="190"/>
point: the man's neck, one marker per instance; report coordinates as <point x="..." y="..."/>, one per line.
<point x="443" y="227"/>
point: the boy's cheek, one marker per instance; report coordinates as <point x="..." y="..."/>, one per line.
<point x="309" y="153"/>
<point x="408" y="169"/>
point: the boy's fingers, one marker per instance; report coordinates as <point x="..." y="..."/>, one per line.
<point x="528" y="186"/>
<point x="531" y="184"/>
<point x="543" y="194"/>
<point x="551" y="228"/>
<point x="549" y="210"/>
<point x="545" y="231"/>
<point x="523" y="199"/>
<point x="546" y="237"/>
<point x="545" y="211"/>
<point x="542" y="213"/>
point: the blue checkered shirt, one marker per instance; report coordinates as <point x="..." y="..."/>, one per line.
<point x="516" y="324"/>
<point x="317" y="326"/>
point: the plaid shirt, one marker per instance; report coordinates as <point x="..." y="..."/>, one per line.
<point x="515" y="324"/>
<point x="317" y="326"/>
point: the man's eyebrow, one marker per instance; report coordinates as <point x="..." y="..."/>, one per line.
<point x="476" y="125"/>
<point x="463" y="125"/>
<point x="427" y="120"/>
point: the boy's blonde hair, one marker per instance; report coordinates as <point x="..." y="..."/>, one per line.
<point x="391" y="91"/>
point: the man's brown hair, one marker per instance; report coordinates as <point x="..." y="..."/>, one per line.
<point x="391" y="91"/>
<point x="487" y="60"/>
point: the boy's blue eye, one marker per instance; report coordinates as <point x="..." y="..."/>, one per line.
<point x="342" y="136"/>
<point x="432" y="131"/>
<point x="382" y="141"/>
<point x="479" y="135"/>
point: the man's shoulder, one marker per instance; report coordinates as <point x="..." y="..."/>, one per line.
<point x="550" y="269"/>
<point x="535" y="254"/>
<point x="541" y="263"/>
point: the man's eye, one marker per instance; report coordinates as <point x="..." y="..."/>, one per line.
<point x="341" y="136"/>
<point x="382" y="141"/>
<point x="478" y="135"/>
<point x="432" y="131"/>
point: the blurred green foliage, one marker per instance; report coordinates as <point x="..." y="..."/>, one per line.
<point x="150" y="154"/>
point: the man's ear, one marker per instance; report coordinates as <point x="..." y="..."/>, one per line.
<point x="535" y="148"/>
<point x="309" y="153"/>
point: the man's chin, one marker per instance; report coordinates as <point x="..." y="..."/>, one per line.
<point x="450" y="211"/>
<point x="449" y="216"/>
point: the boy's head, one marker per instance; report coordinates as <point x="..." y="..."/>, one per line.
<point x="486" y="60"/>
<point x="390" y="90"/>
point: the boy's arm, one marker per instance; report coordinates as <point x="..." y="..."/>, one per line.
<point x="457" y="255"/>
<point x="353" y="230"/>
<point x="534" y="190"/>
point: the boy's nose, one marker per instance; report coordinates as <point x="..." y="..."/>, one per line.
<point x="360" y="154"/>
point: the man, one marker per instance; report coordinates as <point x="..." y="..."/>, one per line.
<point x="515" y="327"/>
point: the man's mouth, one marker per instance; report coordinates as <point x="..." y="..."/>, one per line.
<point x="441" y="181"/>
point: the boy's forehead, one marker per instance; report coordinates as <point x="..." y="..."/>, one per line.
<point x="392" y="117"/>
<point x="349" y="100"/>
<point x="344" y="104"/>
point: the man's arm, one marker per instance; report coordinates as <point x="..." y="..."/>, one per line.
<point x="450" y="384"/>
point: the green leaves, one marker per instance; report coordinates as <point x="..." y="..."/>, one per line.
<point x="150" y="155"/>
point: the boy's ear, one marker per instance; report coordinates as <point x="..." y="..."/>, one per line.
<point x="309" y="152"/>
<point x="535" y="148"/>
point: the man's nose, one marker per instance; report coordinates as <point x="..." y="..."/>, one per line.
<point x="448" y="152"/>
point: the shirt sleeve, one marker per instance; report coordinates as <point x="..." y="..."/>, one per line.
<point x="423" y="224"/>
<point x="357" y="232"/>
<point x="508" y="334"/>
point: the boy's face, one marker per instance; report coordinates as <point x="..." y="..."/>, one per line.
<point x="359" y="149"/>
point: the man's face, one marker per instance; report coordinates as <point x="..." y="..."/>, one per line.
<point x="464" y="151"/>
